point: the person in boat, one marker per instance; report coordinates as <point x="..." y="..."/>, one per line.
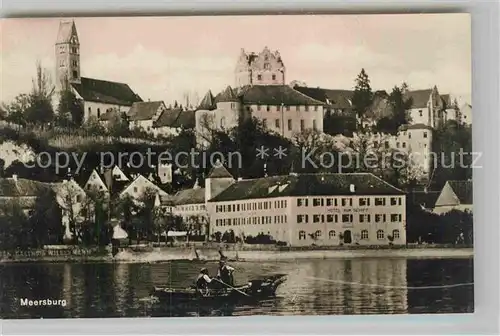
<point x="203" y="280"/>
<point x="225" y="273"/>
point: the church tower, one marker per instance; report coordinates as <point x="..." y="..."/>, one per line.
<point x="67" y="55"/>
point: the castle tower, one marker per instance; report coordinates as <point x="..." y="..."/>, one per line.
<point x="67" y="50"/>
<point x="265" y="68"/>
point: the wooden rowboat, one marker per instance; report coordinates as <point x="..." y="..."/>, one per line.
<point x="254" y="290"/>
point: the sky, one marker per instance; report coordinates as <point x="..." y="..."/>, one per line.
<point x="162" y="58"/>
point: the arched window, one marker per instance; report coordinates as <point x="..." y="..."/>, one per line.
<point x="302" y="235"/>
<point x="318" y="233"/>
<point x="395" y="234"/>
<point x="331" y="234"/>
<point x="364" y="234"/>
<point x="222" y="122"/>
<point x="380" y="234"/>
<point x="98" y="112"/>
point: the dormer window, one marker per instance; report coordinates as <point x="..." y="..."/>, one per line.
<point x="267" y="66"/>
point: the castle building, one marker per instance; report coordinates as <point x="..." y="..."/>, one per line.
<point x="97" y="96"/>
<point x="260" y="92"/>
<point x="265" y="68"/>
<point x="427" y="108"/>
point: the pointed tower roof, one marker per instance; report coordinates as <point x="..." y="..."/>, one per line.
<point x="66" y="30"/>
<point x="227" y="95"/>
<point x="219" y="171"/>
<point x="208" y="102"/>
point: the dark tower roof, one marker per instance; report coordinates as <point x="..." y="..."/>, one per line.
<point x="208" y="102"/>
<point x="67" y="29"/>
<point x="227" y="95"/>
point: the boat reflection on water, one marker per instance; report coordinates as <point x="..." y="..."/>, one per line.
<point x="220" y="299"/>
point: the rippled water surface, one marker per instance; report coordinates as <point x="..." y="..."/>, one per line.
<point x="313" y="287"/>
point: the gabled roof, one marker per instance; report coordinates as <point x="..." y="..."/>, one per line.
<point x="20" y="187"/>
<point x="190" y="196"/>
<point x="66" y="30"/>
<point x="144" y="110"/>
<point x="275" y="95"/>
<point x="150" y="184"/>
<point x="307" y="185"/>
<point x="176" y="118"/>
<point x="227" y="95"/>
<point x="208" y="102"/>
<point x="219" y="171"/>
<point x="420" y="98"/>
<point x="339" y="99"/>
<point x="463" y="190"/>
<point x="165" y="200"/>
<point x="101" y="91"/>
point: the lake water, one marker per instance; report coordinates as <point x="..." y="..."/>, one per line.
<point x="313" y="287"/>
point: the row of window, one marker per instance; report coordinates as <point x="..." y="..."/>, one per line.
<point x="347" y="201"/>
<point x="280" y="108"/>
<point x="277" y="124"/>
<point x="279" y="219"/>
<point x="332" y="234"/>
<point x="62" y="49"/>
<point x="259" y="77"/>
<point x="348" y="218"/>
<point x="279" y="204"/>
<point x="192" y="207"/>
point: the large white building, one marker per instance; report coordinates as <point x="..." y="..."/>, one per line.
<point x="259" y="92"/>
<point x="307" y="209"/>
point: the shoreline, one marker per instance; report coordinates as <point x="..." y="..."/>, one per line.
<point x="158" y="255"/>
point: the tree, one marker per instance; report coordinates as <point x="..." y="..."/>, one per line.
<point x="40" y="109"/>
<point x="208" y="127"/>
<point x="399" y="105"/>
<point x="14" y="228"/>
<point x="362" y="96"/>
<point x="118" y="124"/>
<point x="45" y="223"/>
<point x="334" y="124"/>
<point x="452" y="144"/>
<point x="70" y="108"/>
<point x="76" y="208"/>
<point x="16" y="110"/>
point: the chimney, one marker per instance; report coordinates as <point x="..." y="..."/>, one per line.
<point x="352" y="188"/>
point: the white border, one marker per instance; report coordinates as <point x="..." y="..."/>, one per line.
<point x="485" y="46"/>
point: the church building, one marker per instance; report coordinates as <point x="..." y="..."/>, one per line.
<point x="98" y="96"/>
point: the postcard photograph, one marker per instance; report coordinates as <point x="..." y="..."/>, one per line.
<point x="236" y="165"/>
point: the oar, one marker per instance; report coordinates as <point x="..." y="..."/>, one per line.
<point x="236" y="289"/>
